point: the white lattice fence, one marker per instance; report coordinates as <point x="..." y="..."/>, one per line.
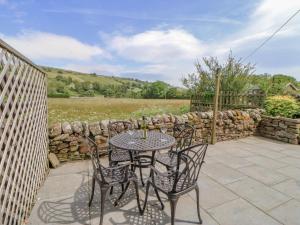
<point x="23" y="134"/>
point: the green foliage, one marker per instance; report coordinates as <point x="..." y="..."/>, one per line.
<point x="88" y="93"/>
<point x="80" y="84"/>
<point x="285" y="106"/>
<point x="58" y="95"/>
<point x="235" y="75"/>
<point x="273" y="85"/>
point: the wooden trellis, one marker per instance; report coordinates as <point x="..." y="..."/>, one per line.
<point x="23" y="134"/>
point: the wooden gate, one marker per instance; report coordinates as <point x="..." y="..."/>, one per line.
<point x="23" y="134"/>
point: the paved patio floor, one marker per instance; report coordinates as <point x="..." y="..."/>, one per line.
<point x="247" y="181"/>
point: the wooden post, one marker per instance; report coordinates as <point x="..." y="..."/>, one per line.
<point x="215" y="112"/>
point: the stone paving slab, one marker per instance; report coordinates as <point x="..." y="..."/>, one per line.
<point x="220" y="194"/>
<point x="289" y="187"/>
<point x="266" y="162"/>
<point x="291" y="171"/>
<point x="264" y="175"/>
<point x="251" y="181"/>
<point x="222" y="173"/>
<point x="240" y="212"/>
<point x="258" y="194"/>
<point x="288" y="213"/>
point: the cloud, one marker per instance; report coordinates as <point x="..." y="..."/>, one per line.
<point x="41" y="46"/>
<point x="170" y="53"/>
<point x="158" y="46"/>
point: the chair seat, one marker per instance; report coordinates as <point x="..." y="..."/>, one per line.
<point x="112" y="176"/>
<point x="119" y="155"/>
<point x="167" y="159"/>
<point x="166" y="183"/>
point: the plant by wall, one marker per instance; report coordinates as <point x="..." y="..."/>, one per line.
<point x="285" y="106"/>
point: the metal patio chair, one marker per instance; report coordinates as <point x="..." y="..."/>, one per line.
<point x="183" y="133"/>
<point x="181" y="181"/>
<point x="118" y="155"/>
<point x="108" y="177"/>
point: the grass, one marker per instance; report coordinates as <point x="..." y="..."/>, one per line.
<point x="82" y="77"/>
<point x="98" y="108"/>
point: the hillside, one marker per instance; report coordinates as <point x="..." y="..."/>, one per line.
<point x="66" y="83"/>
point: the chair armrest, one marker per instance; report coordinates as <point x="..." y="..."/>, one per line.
<point x="159" y="173"/>
<point x="118" y="167"/>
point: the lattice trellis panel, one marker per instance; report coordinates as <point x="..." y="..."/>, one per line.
<point x="23" y="134"/>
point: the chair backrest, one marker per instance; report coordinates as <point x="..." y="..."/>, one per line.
<point x="183" y="133"/>
<point x="189" y="162"/>
<point x="94" y="154"/>
<point x="117" y="127"/>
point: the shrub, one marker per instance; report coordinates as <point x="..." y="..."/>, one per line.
<point x="285" y="106"/>
<point x="89" y="93"/>
<point x="58" y="95"/>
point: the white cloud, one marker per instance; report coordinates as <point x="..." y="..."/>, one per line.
<point x="158" y="46"/>
<point x="267" y="17"/>
<point x="40" y="45"/>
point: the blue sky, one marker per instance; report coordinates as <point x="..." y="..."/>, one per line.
<point x="150" y="40"/>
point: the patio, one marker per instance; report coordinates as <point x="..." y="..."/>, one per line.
<point x="248" y="181"/>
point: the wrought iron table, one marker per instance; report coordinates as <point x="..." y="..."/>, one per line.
<point x="134" y="143"/>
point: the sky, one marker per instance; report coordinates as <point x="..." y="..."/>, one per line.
<point x="152" y="40"/>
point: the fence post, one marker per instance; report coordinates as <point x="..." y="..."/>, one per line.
<point x="215" y="111"/>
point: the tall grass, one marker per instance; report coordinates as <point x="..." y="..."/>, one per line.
<point x="98" y="108"/>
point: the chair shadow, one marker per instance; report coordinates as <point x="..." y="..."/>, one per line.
<point x="75" y="209"/>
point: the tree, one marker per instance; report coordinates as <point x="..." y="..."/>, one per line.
<point x="273" y="85"/>
<point x="235" y="75"/>
<point x="157" y="89"/>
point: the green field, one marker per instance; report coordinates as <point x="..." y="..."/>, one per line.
<point x="97" y="108"/>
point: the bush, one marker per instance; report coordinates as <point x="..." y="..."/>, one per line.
<point x="58" y="95"/>
<point x="89" y="93"/>
<point x="285" y="106"/>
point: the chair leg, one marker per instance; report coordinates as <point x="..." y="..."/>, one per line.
<point x="93" y="191"/>
<point x="159" y="199"/>
<point x="173" y="203"/>
<point x="198" y="203"/>
<point x="103" y="197"/>
<point x="141" y="174"/>
<point x="122" y="194"/>
<point x="138" y="196"/>
<point x="146" y="197"/>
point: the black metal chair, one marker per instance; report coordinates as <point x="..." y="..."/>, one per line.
<point x="118" y="155"/>
<point x="182" y="180"/>
<point x="183" y="133"/>
<point x="108" y="177"/>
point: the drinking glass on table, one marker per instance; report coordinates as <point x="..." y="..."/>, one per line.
<point x="130" y="132"/>
<point x="164" y="130"/>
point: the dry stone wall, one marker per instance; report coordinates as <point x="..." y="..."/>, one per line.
<point x="67" y="139"/>
<point x="282" y="129"/>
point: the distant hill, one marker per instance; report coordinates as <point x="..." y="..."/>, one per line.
<point x="67" y="83"/>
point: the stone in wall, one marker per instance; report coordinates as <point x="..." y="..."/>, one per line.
<point x="77" y="127"/>
<point x="66" y="128"/>
<point x="282" y="129"/>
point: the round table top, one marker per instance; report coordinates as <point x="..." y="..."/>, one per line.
<point x="154" y="141"/>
